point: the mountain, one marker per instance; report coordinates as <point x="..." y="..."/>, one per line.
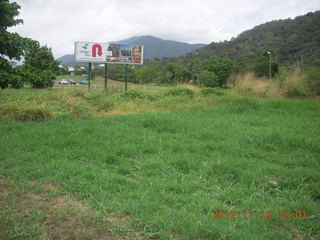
<point x="153" y="48"/>
<point x="289" y="40"/>
<point x="156" y="47"/>
<point x="67" y="60"/>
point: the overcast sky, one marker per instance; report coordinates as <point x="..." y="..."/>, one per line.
<point x="58" y="23"/>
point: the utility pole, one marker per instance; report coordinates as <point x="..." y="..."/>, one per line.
<point x="126" y="79"/>
<point x="105" y="76"/>
<point x="269" y="53"/>
<point x="89" y="76"/>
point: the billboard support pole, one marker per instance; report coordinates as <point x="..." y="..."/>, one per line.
<point x="126" y="79"/>
<point x="89" y="76"/>
<point x="105" y="76"/>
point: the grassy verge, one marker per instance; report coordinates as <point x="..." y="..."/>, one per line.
<point x="29" y="104"/>
<point x="164" y="173"/>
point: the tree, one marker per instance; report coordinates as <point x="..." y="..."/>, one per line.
<point x="195" y="68"/>
<point x="10" y="43"/>
<point x="221" y="67"/>
<point x="261" y="68"/>
<point x="208" y="79"/>
<point x="40" y="66"/>
<point x="40" y="57"/>
<point x="146" y="74"/>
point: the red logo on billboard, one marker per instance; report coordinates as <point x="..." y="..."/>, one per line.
<point x="96" y="49"/>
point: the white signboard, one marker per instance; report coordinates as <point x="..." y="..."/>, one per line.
<point x="108" y="53"/>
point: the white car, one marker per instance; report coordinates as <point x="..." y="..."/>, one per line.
<point x="63" y="81"/>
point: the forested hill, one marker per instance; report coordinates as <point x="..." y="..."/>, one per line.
<point x="290" y="39"/>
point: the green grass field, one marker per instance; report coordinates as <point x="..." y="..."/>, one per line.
<point x="161" y="175"/>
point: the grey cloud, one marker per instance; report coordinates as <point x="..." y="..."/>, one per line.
<point x="58" y="23"/>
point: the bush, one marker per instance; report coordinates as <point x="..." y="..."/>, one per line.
<point x="134" y="94"/>
<point x="37" y="78"/>
<point x="208" y="79"/>
<point x="184" y="92"/>
<point x="16" y="81"/>
<point x="210" y="91"/>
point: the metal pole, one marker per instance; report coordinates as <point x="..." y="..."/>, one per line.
<point x="89" y="76"/>
<point x="126" y="79"/>
<point x="105" y="76"/>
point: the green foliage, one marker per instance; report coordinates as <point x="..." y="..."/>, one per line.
<point x="40" y="57"/>
<point x="133" y="95"/>
<point x="10" y="43"/>
<point x="208" y="79"/>
<point x="210" y="92"/>
<point x="147" y="74"/>
<point x="262" y="65"/>
<point x="222" y="69"/>
<point x="182" y="92"/>
<point x="40" y="67"/>
<point x="36" y="77"/>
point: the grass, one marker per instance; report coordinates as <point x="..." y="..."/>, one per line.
<point x="97" y="84"/>
<point x="30" y="104"/>
<point x="164" y="173"/>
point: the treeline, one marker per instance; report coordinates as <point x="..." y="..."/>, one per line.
<point x="213" y="72"/>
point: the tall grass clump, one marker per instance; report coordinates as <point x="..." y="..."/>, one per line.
<point x="249" y="84"/>
<point x="24" y="113"/>
<point x="179" y="92"/>
<point x="312" y="80"/>
<point x="294" y="85"/>
<point x="134" y="95"/>
<point x="210" y="92"/>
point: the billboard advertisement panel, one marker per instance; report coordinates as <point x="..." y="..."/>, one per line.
<point x="108" y="53"/>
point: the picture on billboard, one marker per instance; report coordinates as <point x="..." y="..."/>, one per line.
<point x="108" y="53"/>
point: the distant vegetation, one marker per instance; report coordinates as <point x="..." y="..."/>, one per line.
<point x="286" y="48"/>
<point x="293" y="42"/>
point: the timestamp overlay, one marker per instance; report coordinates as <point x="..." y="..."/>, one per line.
<point x="263" y="214"/>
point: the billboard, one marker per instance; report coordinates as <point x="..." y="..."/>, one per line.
<point x="108" y="53"/>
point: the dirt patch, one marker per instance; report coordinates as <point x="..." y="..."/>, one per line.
<point x="4" y="188"/>
<point x="50" y="186"/>
<point x="118" y="220"/>
<point x="293" y="232"/>
<point x="61" y="218"/>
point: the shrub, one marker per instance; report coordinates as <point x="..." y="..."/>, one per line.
<point x="183" y="92"/>
<point x="106" y="105"/>
<point x="210" y="91"/>
<point x="208" y="79"/>
<point x="134" y="94"/>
